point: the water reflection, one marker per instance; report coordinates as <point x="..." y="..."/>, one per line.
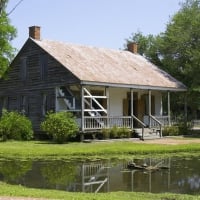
<point x="154" y="177"/>
<point x="176" y="175"/>
<point x="14" y="170"/>
<point x="59" y="173"/>
<point x="95" y="177"/>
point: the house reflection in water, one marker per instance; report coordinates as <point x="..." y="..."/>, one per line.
<point x="106" y="177"/>
<point x="94" y="177"/>
<point x="177" y="175"/>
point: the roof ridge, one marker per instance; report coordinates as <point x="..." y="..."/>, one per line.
<point x="80" y="45"/>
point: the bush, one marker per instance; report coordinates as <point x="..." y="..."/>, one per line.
<point x="116" y="132"/>
<point x="106" y="133"/>
<point x="14" y="125"/>
<point x="170" y="131"/>
<point x="61" y="126"/>
<point x="179" y="129"/>
<point x="184" y="128"/>
<point x="124" y="133"/>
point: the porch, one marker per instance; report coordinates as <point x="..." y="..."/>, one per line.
<point x="93" y="124"/>
<point x="97" y="108"/>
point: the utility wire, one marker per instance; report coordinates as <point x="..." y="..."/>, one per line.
<point x="15" y="7"/>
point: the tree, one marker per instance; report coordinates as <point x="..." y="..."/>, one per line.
<point x="7" y="34"/>
<point x="177" y="50"/>
<point x="147" y="46"/>
<point x="180" y="50"/>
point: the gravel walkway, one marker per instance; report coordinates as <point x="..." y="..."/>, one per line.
<point x="173" y="140"/>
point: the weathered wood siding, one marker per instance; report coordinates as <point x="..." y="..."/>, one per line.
<point x="35" y="86"/>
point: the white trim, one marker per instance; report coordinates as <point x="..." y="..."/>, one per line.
<point x="142" y="87"/>
<point x="168" y="106"/>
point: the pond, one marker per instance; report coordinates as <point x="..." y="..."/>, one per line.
<point x="176" y="175"/>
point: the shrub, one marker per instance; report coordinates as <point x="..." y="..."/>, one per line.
<point x="170" y="131"/>
<point x="116" y="132"/>
<point x="14" y="125"/>
<point x="61" y="126"/>
<point x="124" y="132"/>
<point x="106" y="133"/>
<point x="181" y="128"/>
<point x="184" y="128"/>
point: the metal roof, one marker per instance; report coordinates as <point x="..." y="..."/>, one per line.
<point x="109" y="67"/>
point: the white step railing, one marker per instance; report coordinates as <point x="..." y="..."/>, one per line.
<point x="142" y="125"/>
<point x="155" y="124"/>
<point x="164" y="120"/>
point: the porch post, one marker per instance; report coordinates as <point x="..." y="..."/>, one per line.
<point x="132" y="108"/>
<point x="168" y="107"/>
<point x="108" y="106"/>
<point x="161" y="105"/>
<point x="149" y="108"/>
<point x="82" y="113"/>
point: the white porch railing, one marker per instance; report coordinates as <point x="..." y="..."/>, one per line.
<point x="99" y="122"/>
<point x="164" y="120"/>
<point x="107" y="122"/>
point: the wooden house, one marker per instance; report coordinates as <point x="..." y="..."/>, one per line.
<point x="102" y="87"/>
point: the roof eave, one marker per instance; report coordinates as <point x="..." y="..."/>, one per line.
<point x="131" y="86"/>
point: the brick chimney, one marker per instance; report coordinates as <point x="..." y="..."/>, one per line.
<point x="132" y="47"/>
<point x="34" y="32"/>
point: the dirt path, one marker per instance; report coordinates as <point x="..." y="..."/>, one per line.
<point x="173" y="141"/>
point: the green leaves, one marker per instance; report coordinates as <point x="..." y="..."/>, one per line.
<point x="14" y="125"/>
<point x="177" y="49"/>
<point x="61" y="126"/>
<point x="7" y="34"/>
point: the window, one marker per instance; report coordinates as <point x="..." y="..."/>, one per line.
<point x="43" y="66"/>
<point x="23" y="68"/>
<point x="23" y="107"/>
<point x="44" y="104"/>
<point x="3" y="104"/>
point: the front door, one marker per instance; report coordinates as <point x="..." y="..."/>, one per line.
<point x="127" y="104"/>
<point x="140" y="106"/>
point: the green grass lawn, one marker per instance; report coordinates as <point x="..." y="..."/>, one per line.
<point x="20" y="191"/>
<point x="36" y="149"/>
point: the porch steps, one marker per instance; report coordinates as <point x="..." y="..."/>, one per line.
<point x="64" y="92"/>
<point x="148" y="133"/>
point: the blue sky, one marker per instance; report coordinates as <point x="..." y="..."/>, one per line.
<point x="100" y="23"/>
